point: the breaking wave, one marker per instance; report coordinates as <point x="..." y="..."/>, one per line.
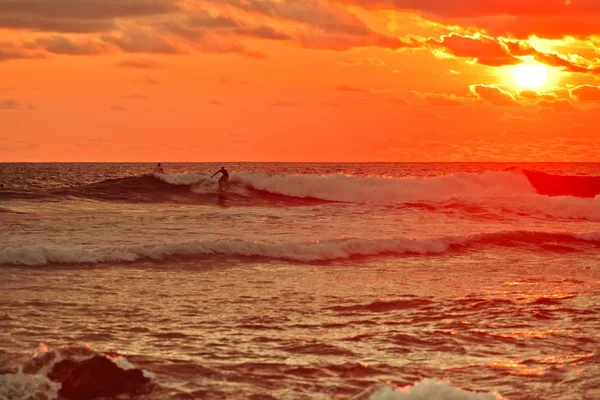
<point x="67" y="372"/>
<point x="426" y="389"/>
<point x="318" y="251"/>
<point x="77" y="372"/>
<point x="515" y="190"/>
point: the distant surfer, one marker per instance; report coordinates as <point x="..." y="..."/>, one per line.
<point x="159" y="169"/>
<point x="223" y="180"/>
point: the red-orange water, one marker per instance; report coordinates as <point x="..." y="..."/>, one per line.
<point x="305" y="284"/>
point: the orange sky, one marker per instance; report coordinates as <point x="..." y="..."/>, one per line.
<point x="298" y="80"/>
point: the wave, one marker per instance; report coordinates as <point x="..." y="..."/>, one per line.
<point x="425" y="389"/>
<point x="560" y="196"/>
<point x="345" y="188"/>
<point x="70" y="372"/>
<point x="318" y="251"/>
<point x="74" y="371"/>
<point x="563" y="185"/>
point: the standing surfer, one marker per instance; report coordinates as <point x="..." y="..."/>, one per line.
<point x="223" y="180"/>
<point x="158" y="169"/>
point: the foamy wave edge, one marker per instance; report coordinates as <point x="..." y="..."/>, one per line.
<point x="318" y="251"/>
<point x="430" y="389"/>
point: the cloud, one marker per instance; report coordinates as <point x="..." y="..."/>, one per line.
<point x="134" y="96"/>
<point x="585" y="93"/>
<point x="20" y="145"/>
<point x="143" y="41"/>
<point x="398" y="100"/>
<point x="261" y="32"/>
<point x="371" y="62"/>
<point x="97" y="139"/>
<point x="117" y="108"/>
<point x="148" y="80"/>
<point x="10" y="104"/>
<point x="453" y="72"/>
<point x="493" y="94"/>
<point x="514" y="132"/>
<point x="64" y="45"/>
<point x="215" y="102"/>
<point x="284" y="103"/>
<point x="88" y="9"/>
<point x="143" y="63"/>
<point x="533" y="95"/>
<point x="517" y="117"/>
<point x="320" y="24"/>
<point x="440" y="99"/>
<point x="425" y="113"/>
<point x="329" y="104"/>
<point x="558" y="105"/>
<point x="58" y="26"/>
<point x="351" y="89"/>
<point x="518" y="18"/>
<point x="77" y="16"/>
<point x="487" y="50"/>
<point x="499" y="51"/>
<point x="9" y="51"/>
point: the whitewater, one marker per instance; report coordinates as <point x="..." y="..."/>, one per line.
<point x="301" y="281"/>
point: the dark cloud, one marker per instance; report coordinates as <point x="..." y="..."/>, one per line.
<point x="11" y="104"/>
<point x="372" y="62"/>
<point x="64" y="45"/>
<point x="351" y="89"/>
<point x="143" y="63"/>
<point x="262" y="32"/>
<point x="518" y="117"/>
<point x="143" y="41"/>
<point x="20" y="145"/>
<point x="215" y="102"/>
<point x="493" y="94"/>
<point x="87" y="9"/>
<point x="59" y="26"/>
<point x="149" y="80"/>
<point x="77" y="16"/>
<point x="440" y="99"/>
<point x="517" y="18"/>
<point x="9" y="51"/>
<point x="558" y="105"/>
<point x="586" y="93"/>
<point x="327" y="26"/>
<point x="117" y="108"/>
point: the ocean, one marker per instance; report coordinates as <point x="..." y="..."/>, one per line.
<point x="382" y="281"/>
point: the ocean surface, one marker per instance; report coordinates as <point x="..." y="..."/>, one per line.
<point x="449" y="281"/>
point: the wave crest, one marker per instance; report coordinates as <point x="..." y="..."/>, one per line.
<point x="318" y="251"/>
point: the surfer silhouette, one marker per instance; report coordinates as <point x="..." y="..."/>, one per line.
<point x="223" y="180"/>
<point x="158" y="169"/>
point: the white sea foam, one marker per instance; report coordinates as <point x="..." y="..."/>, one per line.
<point x="290" y="251"/>
<point x="430" y="389"/>
<point x="183" y="179"/>
<point x="27" y="386"/>
<point x="493" y="190"/>
<point x="377" y="189"/>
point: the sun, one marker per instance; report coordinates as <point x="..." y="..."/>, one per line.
<point x="530" y="75"/>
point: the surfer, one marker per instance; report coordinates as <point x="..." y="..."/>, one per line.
<point x="158" y="169"/>
<point x="223" y="180"/>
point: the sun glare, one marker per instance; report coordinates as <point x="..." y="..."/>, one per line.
<point x="530" y="76"/>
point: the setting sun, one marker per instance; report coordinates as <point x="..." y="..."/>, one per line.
<point x="530" y="76"/>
